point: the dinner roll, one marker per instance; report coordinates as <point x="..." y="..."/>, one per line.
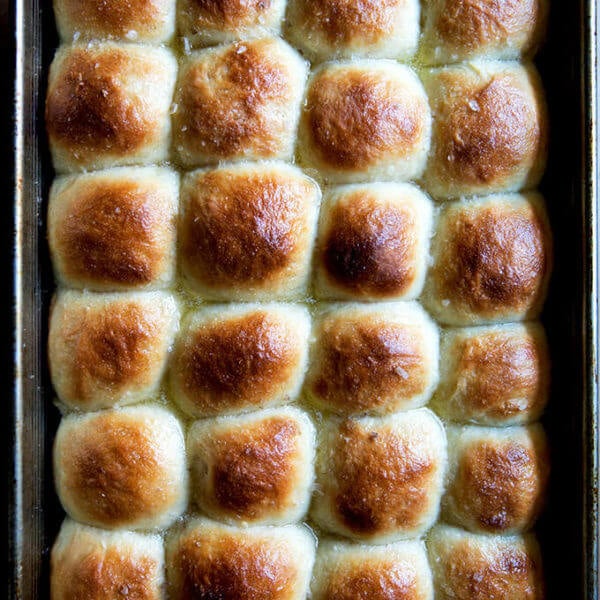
<point x="108" y="105"/>
<point x="373" y="242"/>
<point x="208" y="22"/>
<point x="208" y="560"/>
<point x="121" y="468"/>
<point x="237" y="358"/>
<point x="240" y="101"/>
<point x="326" y="29"/>
<point x="380" y="480"/>
<point x="484" y="567"/>
<point x="355" y="572"/>
<point x="115" y="229"/>
<point x="489" y="129"/>
<point x="373" y="358"/>
<point x="497" y="478"/>
<point x="109" y="349"/>
<point x="365" y="120"/>
<point x="498" y="375"/>
<point x="256" y="468"/>
<point x="455" y="30"/>
<point x="149" y="21"/>
<point x="491" y="260"/>
<point x="247" y="231"/>
<point x="100" y="565"/>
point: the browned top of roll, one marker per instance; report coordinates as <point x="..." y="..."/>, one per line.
<point x="256" y="353"/>
<point x="227" y="14"/>
<point x="253" y="468"/>
<point x="115" y="469"/>
<point x="356" y="116"/>
<point x="487" y="143"/>
<point x="348" y="21"/>
<point x="469" y="25"/>
<point x="87" y="107"/>
<point x="383" y="479"/>
<point x="369" y="247"/>
<point x="227" y="566"/>
<point x="500" y="484"/>
<point x="230" y="100"/>
<point x="492" y="259"/>
<point x="113" y="233"/>
<point x="363" y="361"/>
<point x="245" y="227"/>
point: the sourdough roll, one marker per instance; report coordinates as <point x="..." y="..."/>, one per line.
<point x="484" y="567"/>
<point x="100" y="565"/>
<point x="208" y="22"/>
<point x="121" y="468"/>
<point x="108" y="105"/>
<point x="489" y="129"/>
<point x="240" y="101"/>
<point x="114" y="229"/>
<point x="492" y="259"/>
<point x="209" y="560"/>
<point x="380" y="480"/>
<point x="237" y="358"/>
<point x="373" y="358"/>
<point x="145" y="21"/>
<point x="355" y="571"/>
<point x="255" y="468"/>
<point x="325" y="29"/>
<point x="497" y="478"/>
<point x="247" y="231"/>
<point x="455" y="30"/>
<point x="373" y="242"/>
<point x="498" y="375"/>
<point x="365" y="120"/>
<point x="109" y="349"/>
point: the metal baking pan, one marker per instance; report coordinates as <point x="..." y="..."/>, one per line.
<point x="569" y="528"/>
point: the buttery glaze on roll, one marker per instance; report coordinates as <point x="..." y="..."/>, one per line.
<point x="492" y="259"/>
<point x="256" y="468"/>
<point x="355" y="571"/>
<point x="325" y="29"/>
<point x="240" y="101"/>
<point x="109" y="349"/>
<point x="236" y="358"/>
<point x="377" y="358"/>
<point x="108" y="105"/>
<point x="122" y="468"/>
<point x="115" y="229"/>
<point x="247" y="231"/>
<point x="380" y="479"/>
<point x="99" y="565"/>
<point x="455" y="30"/>
<point x="208" y="22"/>
<point x="489" y="129"/>
<point x="365" y="120"/>
<point x="373" y="242"/>
<point x="498" y="375"/>
<point x="497" y="478"/>
<point x="208" y="560"/>
<point x="484" y="567"/>
<point x="145" y="21"/>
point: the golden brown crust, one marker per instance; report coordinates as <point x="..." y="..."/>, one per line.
<point x="112" y="232"/>
<point x="227" y="15"/>
<point x="499" y="484"/>
<point x="357" y="117"/>
<point x="258" y="353"/>
<point x="238" y="101"/>
<point x="114" y="470"/>
<point x="466" y="26"/>
<point x="246" y="229"/>
<point x="369" y="247"/>
<point x="492" y="259"/>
